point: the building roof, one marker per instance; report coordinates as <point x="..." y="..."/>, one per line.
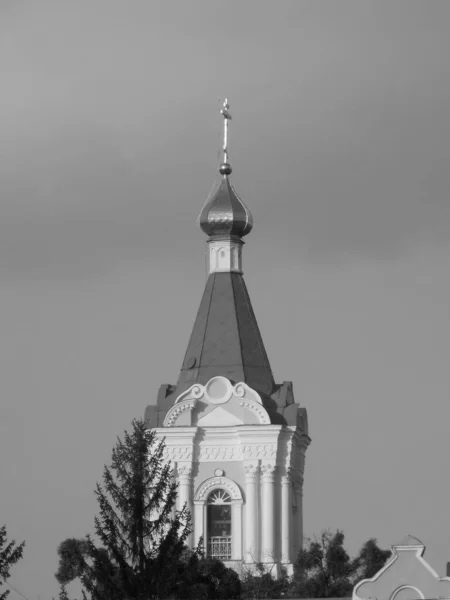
<point x="408" y="540"/>
<point x="225" y="339"/>
<point x="225" y="213"/>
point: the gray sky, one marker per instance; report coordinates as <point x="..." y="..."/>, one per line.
<point x="340" y="143"/>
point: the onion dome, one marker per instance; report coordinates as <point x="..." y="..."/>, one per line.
<point x="225" y="213"/>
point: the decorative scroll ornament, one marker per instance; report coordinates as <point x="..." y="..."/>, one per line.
<point x="218" y="391"/>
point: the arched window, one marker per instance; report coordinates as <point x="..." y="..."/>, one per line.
<point x="219" y="524"/>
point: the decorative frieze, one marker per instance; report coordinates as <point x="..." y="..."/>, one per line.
<point x="234" y="453"/>
<point x="218" y="453"/>
<point x="177" y="453"/>
<point x="259" y="451"/>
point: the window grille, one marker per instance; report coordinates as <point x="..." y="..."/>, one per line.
<point x="219" y="547"/>
<point x="219" y="525"/>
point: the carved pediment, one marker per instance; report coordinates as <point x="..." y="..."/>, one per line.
<point x="218" y="403"/>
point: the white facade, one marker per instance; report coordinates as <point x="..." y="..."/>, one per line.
<point x="240" y="476"/>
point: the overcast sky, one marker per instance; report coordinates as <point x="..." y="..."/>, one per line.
<point x="340" y="145"/>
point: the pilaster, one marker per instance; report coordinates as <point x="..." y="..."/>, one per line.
<point x="267" y="513"/>
<point x="251" y="471"/>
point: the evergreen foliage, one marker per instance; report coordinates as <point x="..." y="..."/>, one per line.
<point x="201" y="578"/>
<point x="10" y="554"/>
<point x="141" y="537"/>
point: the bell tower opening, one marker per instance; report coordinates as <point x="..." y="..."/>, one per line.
<point x="219" y="525"/>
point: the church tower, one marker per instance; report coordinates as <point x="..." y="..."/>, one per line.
<point x="235" y="438"/>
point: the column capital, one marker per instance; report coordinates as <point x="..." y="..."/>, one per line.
<point x="184" y="473"/>
<point x="268" y="473"/>
<point x="251" y="472"/>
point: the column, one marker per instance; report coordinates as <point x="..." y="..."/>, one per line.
<point x="199" y="509"/>
<point x="236" y="530"/>
<point x="285" y="517"/>
<point x="184" y="491"/>
<point x="268" y="513"/>
<point x="298" y="514"/>
<point x="251" y="513"/>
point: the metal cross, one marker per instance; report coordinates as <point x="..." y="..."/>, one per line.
<point x="226" y="118"/>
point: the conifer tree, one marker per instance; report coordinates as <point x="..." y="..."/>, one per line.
<point x="140" y="535"/>
<point x="10" y="554"/>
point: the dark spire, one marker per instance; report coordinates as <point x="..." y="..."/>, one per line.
<point x="226" y="339"/>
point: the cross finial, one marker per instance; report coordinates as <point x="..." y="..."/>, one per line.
<point x="225" y="168"/>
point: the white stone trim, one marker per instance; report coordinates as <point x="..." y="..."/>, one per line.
<point x="224" y="255"/>
<point x="193" y="393"/>
<point x="213" y="483"/>
<point x="258" y="409"/>
<point x="176" y="411"/>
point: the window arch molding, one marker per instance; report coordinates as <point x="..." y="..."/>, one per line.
<point x="215" y="483"/>
<point x="407" y="587"/>
<point x="201" y="504"/>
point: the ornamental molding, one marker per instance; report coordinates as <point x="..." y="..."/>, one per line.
<point x="195" y="392"/>
<point x="218" y="453"/>
<point x="258" y="409"/>
<point x="177" y="453"/>
<point x="260" y="451"/>
<point x="204" y="489"/>
<point x="176" y="411"/>
<point x="235" y="452"/>
<point x="219" y="390"/>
